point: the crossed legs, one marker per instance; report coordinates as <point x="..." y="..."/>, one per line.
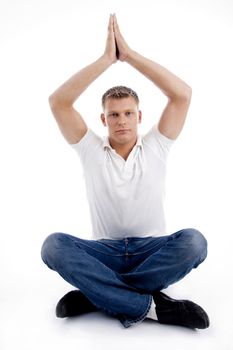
<point x="120" y="278"/>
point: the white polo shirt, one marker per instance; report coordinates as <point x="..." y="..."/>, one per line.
<point x="126" y="198"/>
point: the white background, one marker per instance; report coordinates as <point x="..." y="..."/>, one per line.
<point x="42" y="189"/>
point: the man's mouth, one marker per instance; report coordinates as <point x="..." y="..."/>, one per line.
<point x="122" y="131"/>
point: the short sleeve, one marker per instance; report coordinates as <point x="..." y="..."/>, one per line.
<point x="86" y="146"/>
<point x="159" y="143"/>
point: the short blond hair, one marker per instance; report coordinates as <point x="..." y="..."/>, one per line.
<point x="118" y="92"/>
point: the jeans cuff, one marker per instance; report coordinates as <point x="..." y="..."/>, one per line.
<point x="127" y="322"/>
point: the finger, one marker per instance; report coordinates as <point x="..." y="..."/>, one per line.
<point x="110" y="23"/>
<point x="115" y="22"/>
<point x="110" y="26"/>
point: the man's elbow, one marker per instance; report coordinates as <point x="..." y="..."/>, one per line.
<point x="186" y="94"/>
<point x="52" y="101"/>
<point x="57" y="102"/>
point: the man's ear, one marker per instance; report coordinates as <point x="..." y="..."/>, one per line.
<point x="139" y="117"/>
<point x="103" y="119"/>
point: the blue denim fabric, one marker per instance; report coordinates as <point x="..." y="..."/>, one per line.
<point x="120" y="276"/>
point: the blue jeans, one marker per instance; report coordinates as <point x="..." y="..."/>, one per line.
<point x="120" y="276"/>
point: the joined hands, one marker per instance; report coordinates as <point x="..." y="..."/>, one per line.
<point x="116" y="46"/>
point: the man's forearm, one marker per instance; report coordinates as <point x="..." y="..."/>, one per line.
<point x="67" y="93"/>
<point x="167" y="82"/>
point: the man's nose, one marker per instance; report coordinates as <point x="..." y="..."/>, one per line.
<point x="122" y="119"/>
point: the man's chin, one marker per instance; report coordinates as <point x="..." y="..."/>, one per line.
<point x="125" y="137"/>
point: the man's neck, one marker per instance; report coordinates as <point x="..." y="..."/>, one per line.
<point x="123" y="149"/>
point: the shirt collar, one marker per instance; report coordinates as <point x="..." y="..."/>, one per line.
<point x="107" y="144"/>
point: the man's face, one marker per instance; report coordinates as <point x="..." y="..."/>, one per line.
<point x="121" y="116"/>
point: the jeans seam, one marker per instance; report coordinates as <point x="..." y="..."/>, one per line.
<point x="128" y="322"/>
<point x="96" y="250"/>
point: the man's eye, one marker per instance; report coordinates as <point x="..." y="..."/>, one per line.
<point x="128" y="113"/>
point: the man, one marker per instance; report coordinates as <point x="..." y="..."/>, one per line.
<point x="130" y="258"/>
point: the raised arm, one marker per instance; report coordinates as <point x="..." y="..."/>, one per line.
<point x="178" y="92"/>
<point x="70" y="122"/>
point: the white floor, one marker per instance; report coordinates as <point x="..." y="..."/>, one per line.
<point x="30" y="295"/>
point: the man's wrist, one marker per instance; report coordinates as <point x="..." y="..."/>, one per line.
<point x="106" y="60"/>
<point x="131" y="55"/>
